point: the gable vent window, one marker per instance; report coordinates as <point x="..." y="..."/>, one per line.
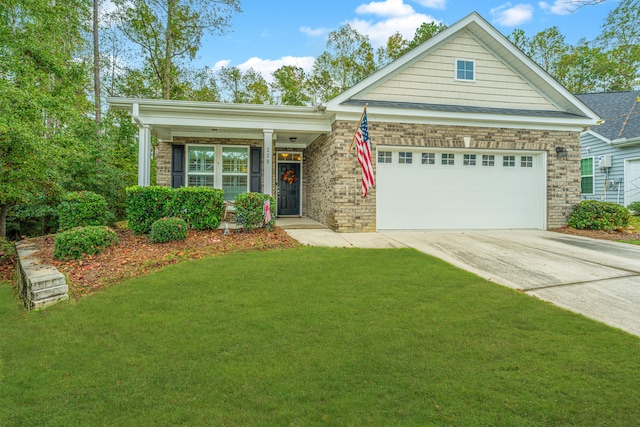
<point x="384" y="156"/>
<point x="405" y="158"/>
<point x="465" y="70"/>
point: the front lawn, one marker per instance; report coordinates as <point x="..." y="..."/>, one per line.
<point x="313" y="336"/>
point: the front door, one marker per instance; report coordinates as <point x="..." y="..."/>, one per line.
<point x="288" y="189"/>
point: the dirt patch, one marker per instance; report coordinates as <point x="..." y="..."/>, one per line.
<point x="136" y="255"/>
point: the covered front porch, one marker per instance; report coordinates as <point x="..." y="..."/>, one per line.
<point x="238" y="148"/>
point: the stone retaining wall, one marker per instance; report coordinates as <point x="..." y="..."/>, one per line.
<point x="38" y="285"/>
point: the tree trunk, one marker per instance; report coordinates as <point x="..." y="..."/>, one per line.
<point x="3" y="221"/>
<point x="96" y="62"/>
<point x="168" y="52"/>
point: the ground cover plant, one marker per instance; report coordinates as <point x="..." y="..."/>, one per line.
<point x="309" y="336"/>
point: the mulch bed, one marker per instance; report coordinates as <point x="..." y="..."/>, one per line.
<point x="136" y="255"/>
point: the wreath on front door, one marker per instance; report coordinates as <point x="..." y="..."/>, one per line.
<point x="289" y="177"/>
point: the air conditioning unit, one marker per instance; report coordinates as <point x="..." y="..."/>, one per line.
<point x="604" y="161"/>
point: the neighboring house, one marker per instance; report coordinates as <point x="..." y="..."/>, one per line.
<point x="611" y="151"/>
<point x="467" y="132"/>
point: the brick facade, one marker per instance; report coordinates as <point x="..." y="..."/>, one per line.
<point x="333" y="180"/>
<point x="331" y="190"/>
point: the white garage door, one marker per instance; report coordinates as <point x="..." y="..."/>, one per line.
<point x="459" y="189"/>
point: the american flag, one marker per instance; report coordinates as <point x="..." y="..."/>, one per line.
<point x="364" y="154"/>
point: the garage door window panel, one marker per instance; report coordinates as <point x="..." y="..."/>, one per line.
<point x="526" y="161"/>
<point x="469" y="160"/>
<point x="448" y="159"/>
<point x="428" y="159"/>
<point x="509" y="161"/>
<point x="488" y="160"/>
<point x="405" y="158"/>
<point x="384" y="157"/>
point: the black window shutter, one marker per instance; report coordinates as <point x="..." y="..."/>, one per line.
<point x="177" y="166"/>
<point x="255" y="172"/>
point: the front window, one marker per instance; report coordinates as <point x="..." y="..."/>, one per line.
<point x="232" y="175"/>
<point x="586" y="169"/>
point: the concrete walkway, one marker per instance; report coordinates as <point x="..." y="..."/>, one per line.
<point x="597" y="278"/>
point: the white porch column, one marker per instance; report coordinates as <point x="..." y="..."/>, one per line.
<point x="267" y="154"/>
<point x="144" y="156"/>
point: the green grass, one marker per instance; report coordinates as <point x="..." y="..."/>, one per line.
<point x="313" y="336"/>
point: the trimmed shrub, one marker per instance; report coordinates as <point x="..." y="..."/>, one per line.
<point x="250" y="210"/>
<point x="634" y="207"/>
<point x="79" y="241"/>
<point x="596" y="215"/>
<point x="200" y="207"/>
<point x="146" y="205"/>
<point x="168" y="230"/>
<point x="83" y="208"/>
<point x="36" y="217"/>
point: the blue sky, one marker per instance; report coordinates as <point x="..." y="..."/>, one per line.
<point x="272" y="33"/>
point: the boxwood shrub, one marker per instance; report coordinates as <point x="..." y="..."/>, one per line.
<point x="145" y="205"/>
<point x="250" y="210"/>
<point x="597" y="215"/>
<point x="168" y="230"/>
<point x="82" y="208"/>
<point x="200" y="207"/>
<point x="79" y="241"/>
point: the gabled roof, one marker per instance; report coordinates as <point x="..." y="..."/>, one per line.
<point x="567" y="106"/>
<point x="620" y="112"/>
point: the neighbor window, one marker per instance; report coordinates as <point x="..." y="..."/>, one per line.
<point x="465" y="70"/>
<point x="428" y="159"/>
<point x="384" y="156"/>
<point x="405" y="157"/>
<point x="232" y="175"/>
<point x="448" y="159"/>
<point x="509" y="161"/>
<point x="586" y="169"/>
<point x="488" y="160"/>
<point x="526" y="162"/>
<point x="469" y="160"/>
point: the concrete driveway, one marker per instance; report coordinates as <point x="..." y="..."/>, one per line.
<point x="596" y="278"/>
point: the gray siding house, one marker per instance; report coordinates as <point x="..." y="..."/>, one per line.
<point x="610" y="164"/>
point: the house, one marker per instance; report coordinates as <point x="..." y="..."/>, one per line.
<point x="466" y="131"/>
<point x="610" y="164"/>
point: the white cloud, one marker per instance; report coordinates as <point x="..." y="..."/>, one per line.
<point x="509" y="15"/>
<point x="432" y="4"/>
<point x="560" y="7"/>
<point x="379" y="32"/>
<point x="387" y="8"/>
<point x="268" y="66"/>
<point x="315" y="32"/>
<point x="220" y="64"/>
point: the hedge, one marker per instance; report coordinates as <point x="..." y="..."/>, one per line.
<point x="79" y="241"/>
<point x="250" y="210"/>
<point x="146" y="205"/>
<point x="83" y="208"/>
<point x="168" y="230"/>
<point x="597" y="215"/>
<point x="200" y="207"/>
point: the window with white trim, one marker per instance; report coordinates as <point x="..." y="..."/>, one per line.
<point x="448" y="158"/>
<point x="405" y="157"/>
<point x="231" y="173"/>
<point x="586" y="172"/>
<point x="384" y="156"/>
<point x="469" y="160"/>
<point x="465" y="70"/>
<point x="526" y="161"/>
<point x="488" y="160"/>
<point x="428" y="158"/>
<point x="509" y="161"/>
